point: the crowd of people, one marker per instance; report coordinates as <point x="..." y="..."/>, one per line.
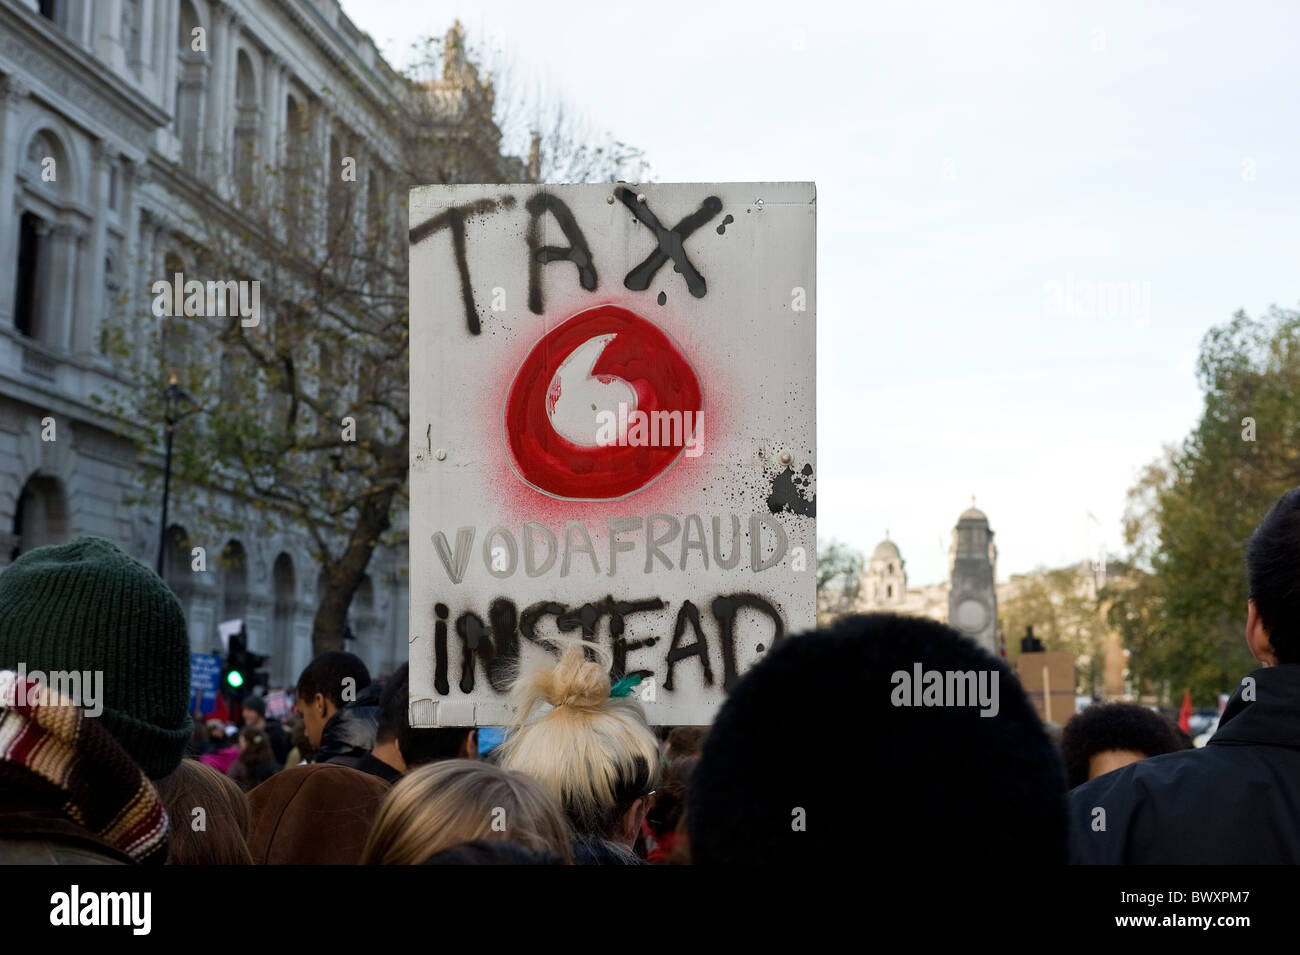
<point x="810" y="753"/>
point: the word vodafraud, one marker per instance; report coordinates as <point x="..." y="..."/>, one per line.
<point x="924" y="687"/>
<point x="194" y="299"/>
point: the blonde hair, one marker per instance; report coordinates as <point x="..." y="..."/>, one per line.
<point x="595" y="753"/>
<point x="444" y="804"/>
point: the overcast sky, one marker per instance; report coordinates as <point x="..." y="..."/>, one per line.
<point x="973" y="161"/>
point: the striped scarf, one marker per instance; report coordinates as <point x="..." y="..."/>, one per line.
<point x="51" y="751"/>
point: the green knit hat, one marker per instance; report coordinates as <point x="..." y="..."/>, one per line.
<point x="88" y="605"/>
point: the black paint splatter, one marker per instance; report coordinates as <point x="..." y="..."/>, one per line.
<point x="722" y="229"/>
<point x="788" y="493"/>
<point x="663" y="297"/>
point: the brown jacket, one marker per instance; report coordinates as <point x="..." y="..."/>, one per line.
<point x="318" y="814"/>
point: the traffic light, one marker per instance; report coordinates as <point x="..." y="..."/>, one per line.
<point x="243" y="670"/>
<point x="255" y="675"/>
<point x="233" y="674"/>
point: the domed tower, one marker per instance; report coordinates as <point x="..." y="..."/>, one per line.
<point x="972" y="600"/>
<point x="885" y="580"/>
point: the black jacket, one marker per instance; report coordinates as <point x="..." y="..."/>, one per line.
<point x="1237" y="801"/>
<point x="351" y="731"/>
<point x="279" y="742"/>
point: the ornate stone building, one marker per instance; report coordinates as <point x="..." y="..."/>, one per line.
<point x="966" y="601"/>
<point x="117" y="125"/>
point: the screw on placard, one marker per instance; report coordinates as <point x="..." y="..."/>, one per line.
<point x="785" y="459"/>
<point x="759" y="204"/>
<point x="441" y="454"/>
<point x="640" y="197"/>
<point x="610" y="200"/>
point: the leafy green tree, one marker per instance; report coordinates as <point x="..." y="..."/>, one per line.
<point x="1192" y="511"/>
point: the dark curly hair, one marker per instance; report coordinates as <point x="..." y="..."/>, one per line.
<point x="881" y="780"/>
<point x="1105" y="726"/>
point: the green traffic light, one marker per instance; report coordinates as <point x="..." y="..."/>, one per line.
<point x="235" y="678"/>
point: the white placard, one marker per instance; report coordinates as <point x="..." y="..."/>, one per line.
<point x="613" y="434"/>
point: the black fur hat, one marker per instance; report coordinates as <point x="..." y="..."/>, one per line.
<point x="825" y="751"/>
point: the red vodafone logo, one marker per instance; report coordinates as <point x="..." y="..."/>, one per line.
<point x="574" y="409"/>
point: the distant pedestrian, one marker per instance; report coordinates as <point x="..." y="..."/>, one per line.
<point x="255" y="763"/>
<point x="340" y="717"/>
<point x="254" y="713"/>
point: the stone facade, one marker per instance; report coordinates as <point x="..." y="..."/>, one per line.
<point x="111" y="125"/>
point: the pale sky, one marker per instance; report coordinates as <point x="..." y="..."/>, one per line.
<point x="972" y="161"/>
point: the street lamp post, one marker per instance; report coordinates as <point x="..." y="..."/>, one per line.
<point x="172" y="397"/>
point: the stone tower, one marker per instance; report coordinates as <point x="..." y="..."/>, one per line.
<point x="885" y="579"/>
<point x="972" y="600"/>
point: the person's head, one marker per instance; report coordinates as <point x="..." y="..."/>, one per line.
<point x="669" y="802"/>
<point x="325" y="687"/>
<point x="684" y="741"/>
<point x="593" y="752"/>
<point x="1109" y="736"/>
<point x="255" y="746"/>
<point x="254" y="711"/>
<point x="223" y="837"/>
<point x="946" y="757"/>
<point x="86" y="611"/>
<point x="216" y="730"/>
<point x="419" y="747"/>
<point x="318" y="814"/>
<point x="1273" y="572"/>
<point x="445" y="804"/>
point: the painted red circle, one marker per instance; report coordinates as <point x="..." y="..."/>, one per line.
<point x="642" y="355"/>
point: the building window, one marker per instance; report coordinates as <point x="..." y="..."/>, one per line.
<point x="889" y="590"/>
<point x="53" y="10"/>
<point x="27" y="297"/>
<point x="247" y="122"/>
<point x="131" y="35"/>
<point x="189" y="87"/>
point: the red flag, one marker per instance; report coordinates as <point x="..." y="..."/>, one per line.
<point x="220" y="712"/>
<point x="1185" y="714"/>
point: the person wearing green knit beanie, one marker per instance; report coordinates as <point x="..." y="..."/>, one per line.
<point x="88" y="606"/>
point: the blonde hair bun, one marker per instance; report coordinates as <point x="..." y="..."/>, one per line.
<point x="574" y="681"/>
